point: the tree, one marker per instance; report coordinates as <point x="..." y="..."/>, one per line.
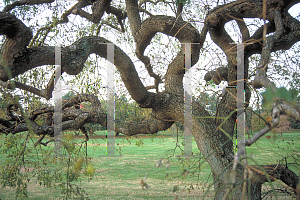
<point x="294" y="124"/>
<point x="21" y="52"/>
<point x="208" y="101"/>
<point x="283" y="126"/>
<point x="69" y="95"/>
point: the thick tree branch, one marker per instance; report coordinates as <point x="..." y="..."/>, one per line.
<point x="248" y="9"/>
<point x="76" y="118"/>
<point x="243" y="9"/>
<point x="179" y="11"/>
<point x="133" y="16"/>
<point x="79" y="5"/>
<point x="147" y="126"/>
<point x="290" y="35"/>
<point x="218" y="75"/>
<point x="215" y="146"/>
<point x="74" y="57"/>
<point x="18" y="37"/>
<point x="98" y="9"/>
<point x="153" y="2"/>
<point x="243" y="29"/>
<point x="275" y="172"/>
<point x="171" y="26"/>
<point x="261" y="73"/>
<point x="72" y="118"/>
<point x="225" y="114"/>
<point x="257" y="175"/>
<point x="25" y="2"/>
<point x="46" y="93"/>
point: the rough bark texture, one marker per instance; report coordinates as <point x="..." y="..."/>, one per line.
<point x="167" y="106"/>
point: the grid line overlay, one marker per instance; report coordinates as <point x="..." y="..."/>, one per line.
<point x="110" y="100"/>
<point x="188" y="120"/>
<point x="240" y="96"/>
<point x="188" y="103"/>
<point x="57" y="96"/>
<point x="188" y="99"/>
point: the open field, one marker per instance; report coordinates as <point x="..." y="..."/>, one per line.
<point x="119" y="177"/>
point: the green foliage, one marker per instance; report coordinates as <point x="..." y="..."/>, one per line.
<point x="129" y="111"/>
<point x="118" y="172"/>
<point x="6" y="2"/>
<point x="269" y="96"/>
<point x="69" y="95"/>
<point x="90" y="170"/>
<point x="295" y="94"/>
<point x="283" y="93"/>
<point x="182" y="1"/>
<point x="25" y="163"/>
<point x="208" y="101"/>
<point x="139" y="143"/>
<point x="179" y="125"/>
<point x="4" y="100"/>
<point x="10" y="173"/>
<point x="258" y="123"/>
<point x="294" y="124"/>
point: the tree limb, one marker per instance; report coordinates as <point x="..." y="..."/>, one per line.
<point x="133" y="16"/>
<point x="243" y="29"/>
<point x="25" y="2"/>
<point x="171" y="26"/>
<point x="74" y="57"/>
<point x="18" y="37"/>
<point x="261" y="73"/>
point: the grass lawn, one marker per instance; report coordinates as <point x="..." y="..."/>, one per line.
<point x="119" y="177"/>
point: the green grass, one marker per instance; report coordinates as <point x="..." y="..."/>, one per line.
<point x="269" y="150"/>
<point x="118" y="177"/>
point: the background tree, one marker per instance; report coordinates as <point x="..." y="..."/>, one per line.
<point x="27" y="47"/>
<point x="209" y="101"/>
<point x="294" y="124"/>
<point x="259" y="123"/>
<point x="283" y="126"/>
<point x="68" y="95"/>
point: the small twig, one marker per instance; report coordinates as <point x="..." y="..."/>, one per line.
<point x="39" y="140"/>
<point x="52" y="140"/>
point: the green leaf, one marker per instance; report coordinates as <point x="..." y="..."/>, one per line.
<point x="294" y="93"/>
<point x="6" y="2"/>
<point x="182" y="1"/>
<point x="280" y="93"/>
<point x="267" y="98"/>
<point x="283" y="93"/>
<point x="90" y="170"/>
